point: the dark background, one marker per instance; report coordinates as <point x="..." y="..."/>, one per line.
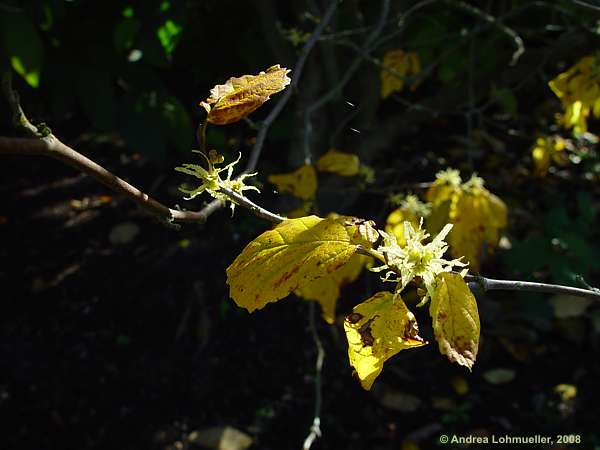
<point x="136" y="344"/>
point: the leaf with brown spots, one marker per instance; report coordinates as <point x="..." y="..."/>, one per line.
<point x="377" y="329"/>
<point x="293" y="254"/>
<point x="240" y="96"/>
<point x="455" y="318"/>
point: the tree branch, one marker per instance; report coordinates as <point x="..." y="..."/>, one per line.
<point x="477" y="282"/>
<point x="50" y="145"/>
<point x="315" y="429"/>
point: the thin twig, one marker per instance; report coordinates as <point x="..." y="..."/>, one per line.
<point x="492" y="20"/>
<point x="315" y="429"/>
<point x="257" y="210"/>
<point x="19" y="119"/>
<point x="51" y="146"/>
<point x="490" y="284"/>
<point x="264" y="127"/>
<point x="586" y="4"/>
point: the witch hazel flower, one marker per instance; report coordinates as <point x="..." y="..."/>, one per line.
<point x="416" y="259"/>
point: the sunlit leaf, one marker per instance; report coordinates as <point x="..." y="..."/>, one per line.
<point x="294" y="253"/>
<point x="377" y="329"/>
<point x="238" y="97"/>
<point x="326" y="290"/>
<point x="478" y="217"/>
<point x="340" y="163"/>
<point x="455" y="319"/>
<point x="168" y="34"/>
<point x="395" y="224"/>
<point x="579" y="92"/>
<point x="23" y="45"/>
<point x="411" y="210"/>
<point x="301" y="183"/>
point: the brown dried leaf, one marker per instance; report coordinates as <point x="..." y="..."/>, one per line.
<point x="240" y="96"/>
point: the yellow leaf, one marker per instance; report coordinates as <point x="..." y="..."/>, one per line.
<point x="455" y="319"/>
<point x="301" y="183"/>
<point x="477" y="216"/>
<point x="377" y="329"/>
<point x="478" y="219"/>
<point x="411" y="210"/>
<point x="240" y="96"/>
<point x="566" y="391"/>
<point x="398" y="65"/>
<point x="340" y="163"/>
<point x="284" y="259"/>
<point x="326" y="290"/>
<point x="578" y="90"/>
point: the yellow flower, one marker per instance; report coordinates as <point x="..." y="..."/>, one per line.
<point x="212" y="181"/>
<point x="416" y="259"/>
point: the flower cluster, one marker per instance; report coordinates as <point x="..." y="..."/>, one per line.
<point x="416" y="259"/>
<point x="579" y="92"/>
<point x="211" y="178"/>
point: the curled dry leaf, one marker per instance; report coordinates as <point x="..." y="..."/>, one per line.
<point x="294" y="253"/>
<point x="240" y="96"/>
<point x="455" y="319"/>
<point x="377" y="329"/>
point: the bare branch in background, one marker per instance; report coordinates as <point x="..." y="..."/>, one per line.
<point x="296" y="75"/>
<point x="367" y="47"/>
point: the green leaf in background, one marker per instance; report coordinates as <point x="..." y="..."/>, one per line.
<point x="168" y="34"/>
<point x="23" y="46"/>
